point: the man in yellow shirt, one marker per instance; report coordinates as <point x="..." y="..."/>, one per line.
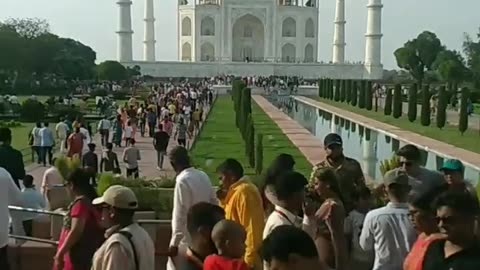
<point x="243" y="204"/>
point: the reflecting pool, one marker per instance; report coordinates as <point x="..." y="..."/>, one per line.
<point x="369" y="147"/>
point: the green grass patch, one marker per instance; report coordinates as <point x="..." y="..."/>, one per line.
<point x="449" y="134"/>
<point x="220" y="139"/>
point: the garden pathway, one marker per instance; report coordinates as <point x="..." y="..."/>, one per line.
<point x="147" y="166"/>
<point x="310" y="146"/>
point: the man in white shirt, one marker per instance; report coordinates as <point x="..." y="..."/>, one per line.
<point x="47" y="142"/>
<point x="131" y="156"/>
<point x="51" y="177"/>
<point x="128" y="246"/>
<point x="62" y="130"/>
<point x="104" y="128"/>
<point x="37" y="141"/>
<point x="192" y="186"/>
<point x="388" y="230"/>
<point x="9" y="195"/>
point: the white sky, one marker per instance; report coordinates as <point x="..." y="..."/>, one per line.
<point x="94" y="22"/>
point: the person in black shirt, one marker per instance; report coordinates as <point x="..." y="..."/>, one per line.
<point x="160" y="142"/>
<point x="11" y="159"/>
<point x="456" y="215"/>
<point x="90" y="163"/>
<point x="201" y="219"/>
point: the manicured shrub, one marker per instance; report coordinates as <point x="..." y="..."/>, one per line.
<point x="369" y="96"/>
<point x="397" y="101"/>
<point x="412" y="102"/>
<point x="259" y="155"/>
<point x="361" y="96"/>
<point x="442" y="107"/>
<point x="354" y="99"/>
<point x="388" y="102"/>
<point x="425" y="113"/>
<point x="32" y="111"/>
<point x="343" y="90"/>
<point x="348" y="91"/>
<point x="463" y="121"/>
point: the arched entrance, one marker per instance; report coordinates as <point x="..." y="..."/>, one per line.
<point x="248" y="39"/>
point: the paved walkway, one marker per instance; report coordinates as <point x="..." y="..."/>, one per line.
<point x="147" y="166"/>
<point x="452" y="116"/>
<point x="310" y="146"/>
<point x="437" y="147"/>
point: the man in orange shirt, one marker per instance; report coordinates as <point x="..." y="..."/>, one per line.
<point x="243" y="204"/>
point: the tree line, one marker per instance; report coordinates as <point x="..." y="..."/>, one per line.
<point x="242" y="104"/>
<point x="37" y="61"/>
<point x="361" y="93"/>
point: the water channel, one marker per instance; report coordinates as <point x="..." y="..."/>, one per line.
<point x="369" y="147"/>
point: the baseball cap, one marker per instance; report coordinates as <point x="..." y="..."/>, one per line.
<point x="119" y="197"/>
<point x="332" y="139"/>
<point x="452" y="165"/>
<point x="396" y="176"/>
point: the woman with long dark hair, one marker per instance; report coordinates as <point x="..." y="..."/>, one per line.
<point x="329" y="235"/>
<point x="81" y="233"/>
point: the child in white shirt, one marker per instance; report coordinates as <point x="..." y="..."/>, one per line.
<point x="360" y="259"/>
<point x="128" y="133"/>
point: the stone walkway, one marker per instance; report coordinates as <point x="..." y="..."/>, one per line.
<point x="310" y="146"/>
<point x="434" y="146"/>
<point x="147" y="166"/>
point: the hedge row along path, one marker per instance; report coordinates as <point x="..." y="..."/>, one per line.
<point x="147" y="166"/>
<point x="221" y="139"/>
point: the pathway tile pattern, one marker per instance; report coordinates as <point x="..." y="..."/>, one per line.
<point x="437" y="147"/>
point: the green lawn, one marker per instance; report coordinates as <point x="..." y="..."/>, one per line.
<point x="449" y="134"/>
<point x="220" y="139"/>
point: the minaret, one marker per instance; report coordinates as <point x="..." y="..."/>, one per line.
<point x="125" y="32"/>
<point x="149" y="39"/>
<point x="339" y="35"/>
<point x="373" y="46"/>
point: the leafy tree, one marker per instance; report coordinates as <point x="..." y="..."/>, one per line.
<point x="451" y="67"/>
<point x="397" y="101"/>
<point x="29" y="28"/>
<point x="418" y="55"/>
<point x="388" y="102"/>
<point x="471" y="49"/>
<point x="361" y="97"/>
<point x="337" y="90"/>
<point x="425" y="114"/>
<point x="463" y="121"/>
<point x="111" y="71"/>
<point x="354" y="99"/>
<point x="412" y="102"/>
<point x="442" y="107"/>
<point x="369" y="96"/>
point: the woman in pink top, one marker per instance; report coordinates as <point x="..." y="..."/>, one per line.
<point x="81" y="234"/>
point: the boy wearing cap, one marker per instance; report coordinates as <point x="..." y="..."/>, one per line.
<point x="348" y="171"/>
<point x="127" y="246"/>
<point x="388" y="230"/>
<point x="453" y="171"/>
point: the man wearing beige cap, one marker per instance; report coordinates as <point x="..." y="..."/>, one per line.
<point x="128" y="246"/>
<point x="388" y="230"/>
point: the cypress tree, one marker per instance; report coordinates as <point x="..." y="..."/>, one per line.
<point x="388" y="102"/>
<point x="397" y="101"/>
<point x="329" y="89"/>
<point x="343" y="90"/>
<point x="369" y="96"/>
<point x="463" y="120"/>
<point x="361" y="96"/>
<point x="319" y="87"/>
<point x="442" y="107"/>
<point x="348" y="91"/>
<point x="412" y="102"/>
<point x="425" y="114"/>
<point x="332" y="89"/>
<point x="354" y="93"/>
<point x="251" y="144"/>
<point x="259" y="155"/>
<point x="337" y="90"/>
